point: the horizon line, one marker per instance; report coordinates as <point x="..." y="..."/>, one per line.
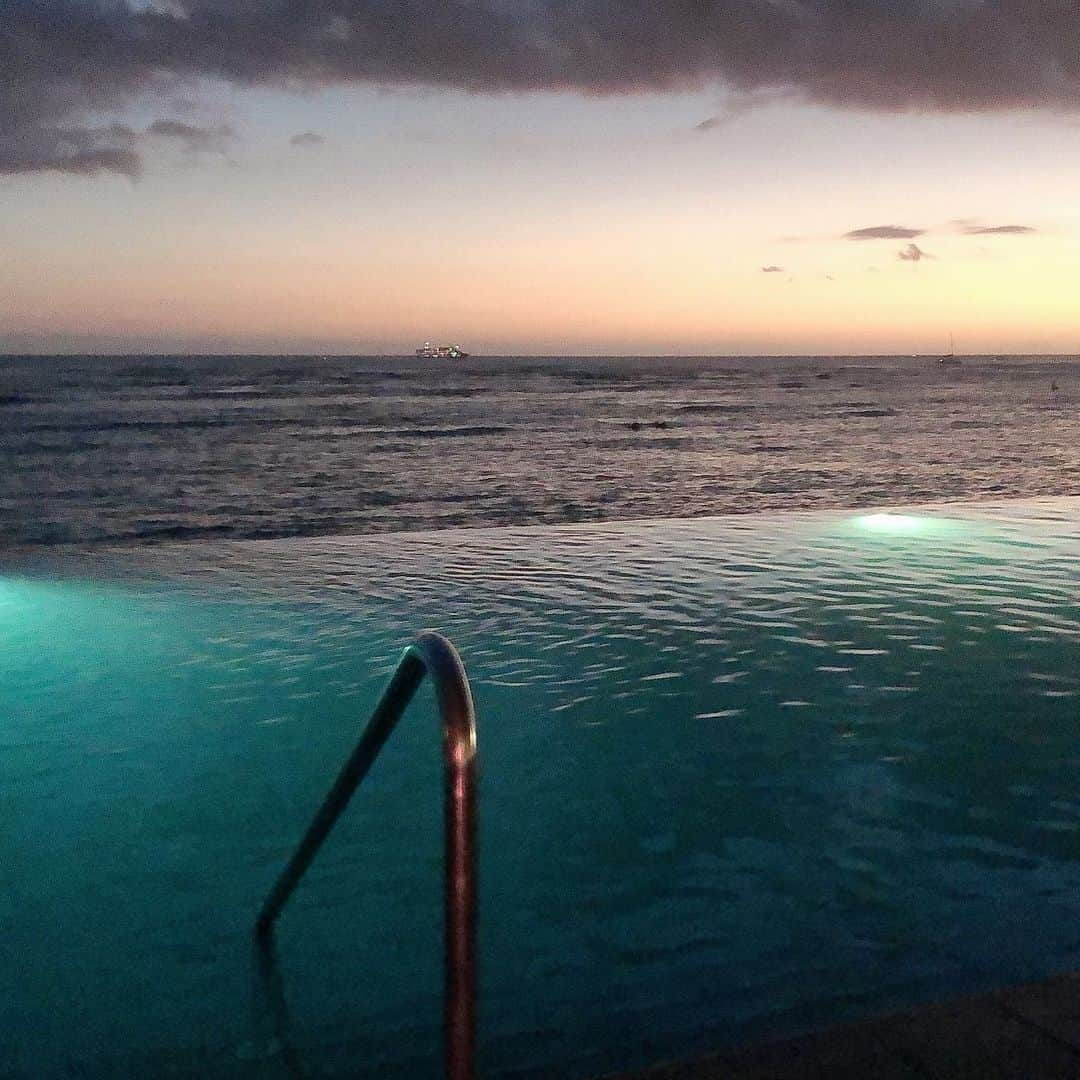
<point x="140" y="353"/>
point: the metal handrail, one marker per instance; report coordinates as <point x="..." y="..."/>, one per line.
<point x="430" y="654"/>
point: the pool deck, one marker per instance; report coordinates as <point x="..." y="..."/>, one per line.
<point x="1029" y="1032"/>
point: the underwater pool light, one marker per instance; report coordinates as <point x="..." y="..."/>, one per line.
<point x="897" y="524"/>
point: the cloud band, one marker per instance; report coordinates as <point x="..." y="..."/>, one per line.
<point x="64" y="60"/>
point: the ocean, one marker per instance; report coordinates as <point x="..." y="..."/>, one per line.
<point x="143" y="449"/>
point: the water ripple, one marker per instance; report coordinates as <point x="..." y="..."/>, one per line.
<point x="834" y="753"/>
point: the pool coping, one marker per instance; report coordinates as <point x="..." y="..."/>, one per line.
<point x="1024" y="1032"/>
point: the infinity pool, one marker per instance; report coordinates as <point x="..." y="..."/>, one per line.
<point x="741" y="777"/>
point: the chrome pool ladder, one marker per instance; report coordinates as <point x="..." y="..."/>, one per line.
<point x="430" y="654"/>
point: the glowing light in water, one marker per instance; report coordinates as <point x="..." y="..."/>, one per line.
<point x="898" y="524"/>
<point x="7" y="593"/>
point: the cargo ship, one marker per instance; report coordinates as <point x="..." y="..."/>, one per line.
<point x="441" y="352"/>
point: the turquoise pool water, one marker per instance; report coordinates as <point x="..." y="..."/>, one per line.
<point x="741" y="777"/>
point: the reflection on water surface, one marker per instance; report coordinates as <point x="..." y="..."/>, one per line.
<point x="740" y="776"/>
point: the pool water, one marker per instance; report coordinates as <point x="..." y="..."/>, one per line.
<point x="740" y="777"/>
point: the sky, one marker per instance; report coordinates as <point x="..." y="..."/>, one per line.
<point x="540" y="176"/>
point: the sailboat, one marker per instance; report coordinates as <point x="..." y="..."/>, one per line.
<point x="950" y="358"/>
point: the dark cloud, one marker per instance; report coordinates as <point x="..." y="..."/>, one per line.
<point x="998" y="230"/>
<point x="58" y="156"/>
<point x="307" y="138"/>
<point x="913" y="253"/>
<point x="64" y="62"/>
<point x="884" y="232"/>
<point x="193" y="137"/>
<point x="772" y="269"/>
<point x="80" y="151"/>
<point x="88" y="151"/>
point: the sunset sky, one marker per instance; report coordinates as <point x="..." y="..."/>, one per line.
<point x="761" y="176"/>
